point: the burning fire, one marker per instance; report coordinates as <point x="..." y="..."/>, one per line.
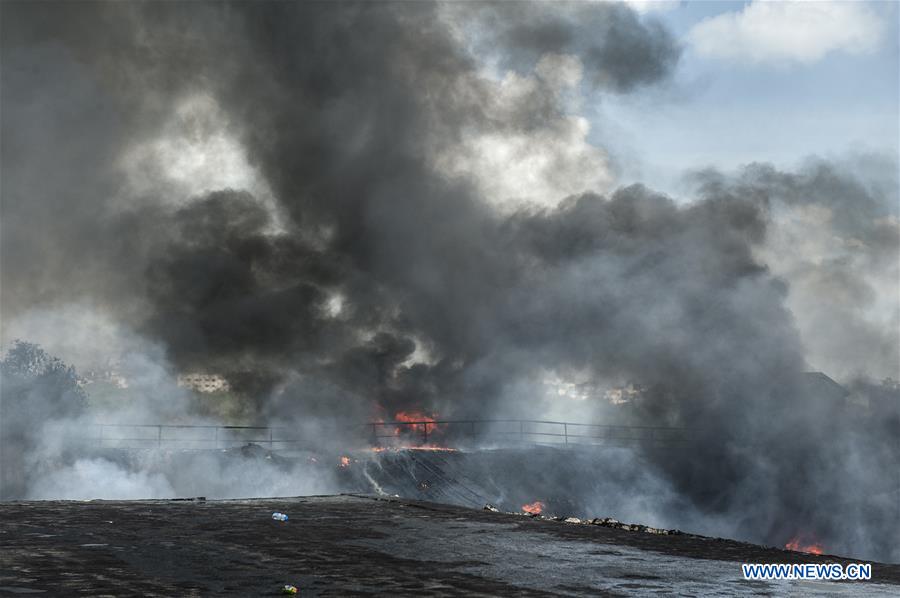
<point x="533" y="508"/>
<point x="410" y="426"/>
<point x="796" y="544"/>
<point x="345" y="461"/>
<point x="414" y="416"/>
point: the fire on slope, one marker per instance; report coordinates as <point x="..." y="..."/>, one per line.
<point x="534" y="508"/>
<point x="801" y="543"/>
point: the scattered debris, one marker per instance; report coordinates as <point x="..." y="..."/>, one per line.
<point x="255" y="451"/>
<point x="289" y="589"/>
<point x="279" y="516"/>
<point x="633" y="527"/>
<point x="604" y="522"/>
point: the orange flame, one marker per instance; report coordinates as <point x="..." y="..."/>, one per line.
<point x="533" y="508"/>
<point x="345" y="461"/>
<point x="414" y="416"/>
<point x="410" y="429"/>
<point x="796" y="544"/>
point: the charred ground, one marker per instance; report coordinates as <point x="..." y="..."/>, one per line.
<point x="357" y="546"/>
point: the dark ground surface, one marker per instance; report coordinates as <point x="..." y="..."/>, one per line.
<point x="360" y="546"/>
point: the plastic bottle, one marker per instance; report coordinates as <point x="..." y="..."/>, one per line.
<point x="279" y="516"/>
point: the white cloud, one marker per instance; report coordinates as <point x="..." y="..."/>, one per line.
<point x="643" y="6"/>
<point x="788" y="32"/>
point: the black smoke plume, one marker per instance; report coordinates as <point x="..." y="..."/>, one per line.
<point x="365" y="278"/>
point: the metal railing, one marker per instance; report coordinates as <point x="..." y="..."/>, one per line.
<point x="189" y="436"/>
<point x="466" y="432"/>
<point x="526" y="430"/>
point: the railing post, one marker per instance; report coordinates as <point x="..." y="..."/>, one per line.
<point x="158" y="436"/>
<point x="425" y="433"/>
<point x="217" y="436"/>
<point x="271" y="444"/>
<point x="566" y="432"/>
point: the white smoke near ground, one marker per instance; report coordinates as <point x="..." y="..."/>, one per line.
<point x="172" y="474"/>
<point x="90" y="479"/>
<point x="127" y="465"/>
<point x="143" y="389"/>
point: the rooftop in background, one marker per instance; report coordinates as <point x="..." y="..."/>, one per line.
<point x="204" y="382"/>
<point x="823" y="386"/>
<point x="354" y="545"/>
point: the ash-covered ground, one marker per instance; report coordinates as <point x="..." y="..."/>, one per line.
<point x="361" y="546"/>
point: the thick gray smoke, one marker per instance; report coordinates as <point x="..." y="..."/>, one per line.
<point x="355" y="263"/>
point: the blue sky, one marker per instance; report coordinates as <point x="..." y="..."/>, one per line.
<point x="720" y="110"/>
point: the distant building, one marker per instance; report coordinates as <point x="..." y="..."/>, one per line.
<point x="107" y="376"/>
<point x="819" y="387"/>
<point x="591" y="391"/>
<point x="882" y="399"/>
<point x="204" y="382"/>
<point x="624" y="394"/>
